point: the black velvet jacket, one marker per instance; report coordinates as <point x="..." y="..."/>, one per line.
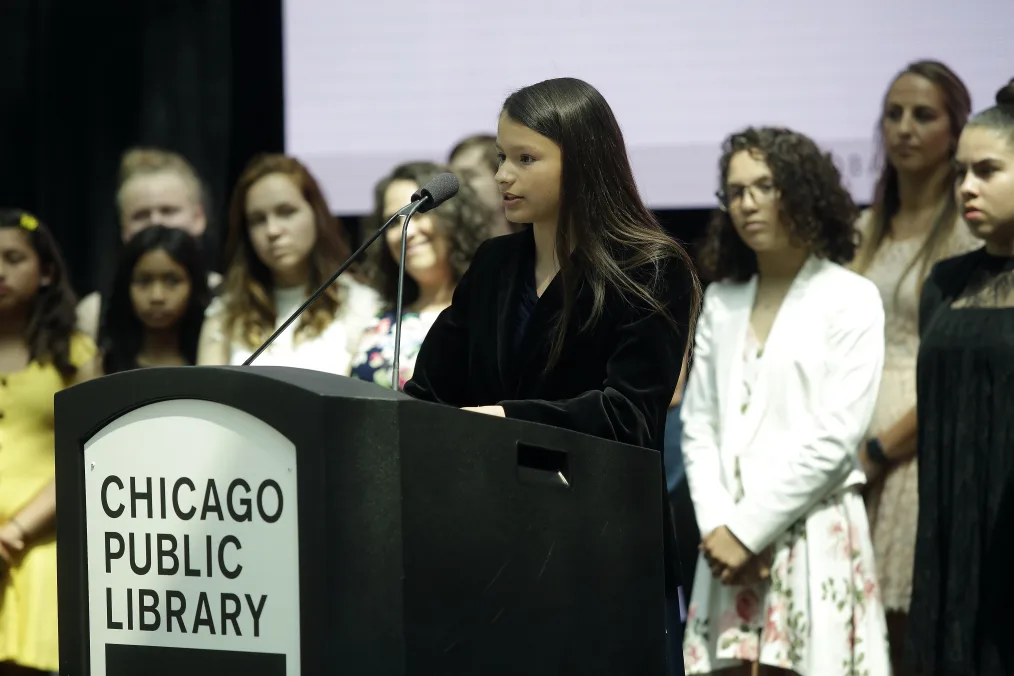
<point x="614" y="380"/>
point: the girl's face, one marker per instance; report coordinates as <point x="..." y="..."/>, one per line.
<point x="21" y="274"/>
<point x="159" y="290"/>
<point x="915" y="125"/>
<point x="160" y="198"/>
<point x="529" y="176"/>
<point x="427" y="248"/>
<point x="752" y="203"/>
<point x="283" y="228"/>
<point x="985" y="184"/>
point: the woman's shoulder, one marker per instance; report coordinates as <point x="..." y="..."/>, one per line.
<point x="360" y="299"/>
<point x="864" y="222"/>
<point x="842" y="288"/>
<point x="955" y="268"/>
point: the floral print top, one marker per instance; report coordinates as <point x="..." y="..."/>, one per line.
<point x="375" y="357"/>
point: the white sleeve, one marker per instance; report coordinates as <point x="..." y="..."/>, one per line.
<point x="701" y="439"/>
<point x="827" y="456"/>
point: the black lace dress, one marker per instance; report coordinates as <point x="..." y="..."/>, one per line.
<point x="965" y="387"/>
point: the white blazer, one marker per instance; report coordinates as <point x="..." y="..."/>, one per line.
<point x="811" y="403"/>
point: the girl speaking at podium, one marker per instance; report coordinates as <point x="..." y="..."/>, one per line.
<point x="581" y="319"/>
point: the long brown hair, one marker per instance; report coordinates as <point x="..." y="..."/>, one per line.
<point x="53" y="317"/>
<point x="886" y="201"/>
<point x="250" y="309"/>
<point x="614" y="237"/>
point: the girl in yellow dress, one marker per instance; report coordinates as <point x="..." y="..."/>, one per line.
<point x="40" y="354"/>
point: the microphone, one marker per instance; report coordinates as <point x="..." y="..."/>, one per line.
<point x="437" y="191"/>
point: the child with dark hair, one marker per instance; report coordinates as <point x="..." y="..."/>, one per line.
<point x="155" y="312"/>
<point x="787" y="363"/>
<point x="40" y="354"/>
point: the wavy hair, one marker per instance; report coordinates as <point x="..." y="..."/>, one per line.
<point x="121" y="336"/>
<point x="614" y="237"/>
<point x="814" y="206"/>
<point x="53" y="317"/>
<point x="249" y="307"/>
<point x="464" y="220"/>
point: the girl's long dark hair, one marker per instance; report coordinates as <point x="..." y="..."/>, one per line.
<point x="121" y="336"/>
<point x="53" y="318"/>
<point x="614" y="237"/>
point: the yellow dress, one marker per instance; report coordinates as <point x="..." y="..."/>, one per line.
<point x="28" y="625"/>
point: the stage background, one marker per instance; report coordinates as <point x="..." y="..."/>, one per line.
<point x="367" y="85"/>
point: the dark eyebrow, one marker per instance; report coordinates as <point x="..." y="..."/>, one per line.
<point x="756" y="181"/>
<point x="521" y="149"/>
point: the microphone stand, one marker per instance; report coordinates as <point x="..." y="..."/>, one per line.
<point x="406" y="210"/>
<point x="395" y="370"/>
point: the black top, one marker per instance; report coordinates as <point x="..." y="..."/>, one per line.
<point x="614" y="380"/>
<point x="965" y="388"/>
<point x="528" y="298"/>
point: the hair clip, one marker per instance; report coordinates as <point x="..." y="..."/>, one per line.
<point x="29" y="222"/>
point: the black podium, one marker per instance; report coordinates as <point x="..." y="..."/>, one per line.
<point x="269" y="521"/>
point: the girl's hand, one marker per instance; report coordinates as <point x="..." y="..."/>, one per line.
<point x="496" y="411"/>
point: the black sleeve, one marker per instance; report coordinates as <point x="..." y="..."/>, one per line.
<point x="641" y="373"/>
<point x="932" y="297"/>
<point x="441" y="368"/>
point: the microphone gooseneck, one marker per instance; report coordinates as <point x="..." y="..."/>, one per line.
<point x="437" y="191"/>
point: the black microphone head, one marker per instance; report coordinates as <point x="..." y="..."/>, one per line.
<point x="438" y="190"/>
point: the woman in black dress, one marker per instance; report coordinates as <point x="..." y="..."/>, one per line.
<point x="966" y="420"/>
<point x="580" y="320"/>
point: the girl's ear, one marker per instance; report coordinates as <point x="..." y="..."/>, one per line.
<point x="46" y="277"/>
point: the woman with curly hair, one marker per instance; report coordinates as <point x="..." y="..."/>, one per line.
<point x="41" y="353"/>
<point x="440" y="247"/>
<point x="283" y="243"/>
<point x="788" y="356"/>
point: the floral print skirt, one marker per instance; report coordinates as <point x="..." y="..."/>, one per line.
<point x="820" y="614"/>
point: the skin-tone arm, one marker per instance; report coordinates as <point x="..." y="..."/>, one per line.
<point x="212" y="350"/>
<point x="677" y="396"/>
<point x="37" y="517"/>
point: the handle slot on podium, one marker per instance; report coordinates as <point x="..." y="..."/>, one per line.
<point x="546" y="466"/>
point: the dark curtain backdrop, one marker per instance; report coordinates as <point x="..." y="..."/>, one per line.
<point x="82" y="82"/>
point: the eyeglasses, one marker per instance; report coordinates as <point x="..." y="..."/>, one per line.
<point x="760" y="193"/>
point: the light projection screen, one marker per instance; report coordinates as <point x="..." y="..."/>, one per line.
<point x="372" y="84"/>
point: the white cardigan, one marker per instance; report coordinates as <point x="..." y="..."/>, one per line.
<point x="811" y="403"/>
